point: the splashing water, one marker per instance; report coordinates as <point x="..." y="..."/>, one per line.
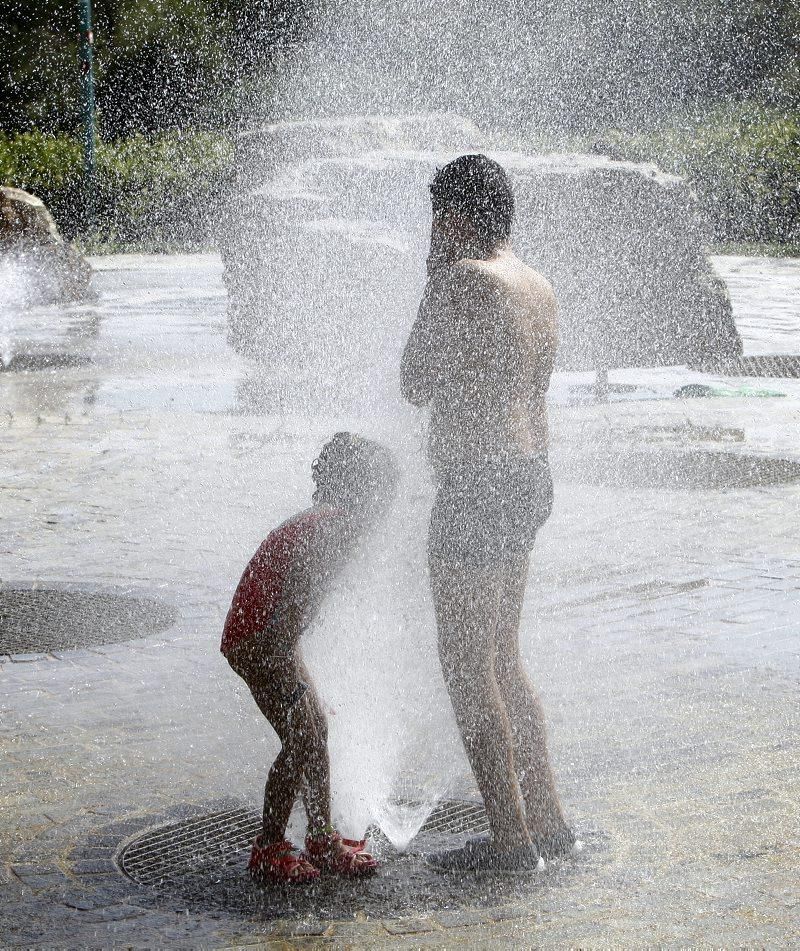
<point x="404" y="810"/>
<point x="13" y="298"/>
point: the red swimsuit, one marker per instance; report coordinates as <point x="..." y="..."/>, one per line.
<point x="261" y="588"/>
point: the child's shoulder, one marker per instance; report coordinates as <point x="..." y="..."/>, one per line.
<point x="302" y="528"/>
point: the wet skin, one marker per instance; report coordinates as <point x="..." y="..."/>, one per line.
<point x="480" y="355"/>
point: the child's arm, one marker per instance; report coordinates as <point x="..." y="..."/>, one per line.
<point x="314" y="565"/>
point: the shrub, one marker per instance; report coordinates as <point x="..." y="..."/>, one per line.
<point x="159" y="193"/>
<point x="744" y="163"/>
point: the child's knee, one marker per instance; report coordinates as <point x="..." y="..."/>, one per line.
<point x="310" y="726"/>
<point x="320" y="731"/>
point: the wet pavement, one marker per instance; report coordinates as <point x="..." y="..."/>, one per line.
<point x="662" y="627"/>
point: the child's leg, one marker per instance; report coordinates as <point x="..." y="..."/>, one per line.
<point x="309" y="721"/>
<point x="280" y="688"/>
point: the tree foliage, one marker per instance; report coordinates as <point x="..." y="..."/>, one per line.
<point x="744" y="164"/>
<point x="163" y="64"/>
<point x="152" y="193"/>
<point x="160" y="64"/>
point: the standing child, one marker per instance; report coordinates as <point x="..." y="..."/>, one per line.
<point x="278" y="596"/>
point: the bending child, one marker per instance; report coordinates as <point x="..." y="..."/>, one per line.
<point x="278" y="596"/>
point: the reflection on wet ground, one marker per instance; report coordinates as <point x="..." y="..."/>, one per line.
<point x="695" y="468"/>
<point x="46" y="360"/>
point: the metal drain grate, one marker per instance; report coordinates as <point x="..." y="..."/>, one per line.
<point x="53" y="360"/>
<point x="169" y="854"/>
<point x="455" y="817"/>
<point x="40" y="620"/>
<point x="785" y="366"/>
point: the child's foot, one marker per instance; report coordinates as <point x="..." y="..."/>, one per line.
<point x="279" y="862"/>
<point x="346" y="857"/>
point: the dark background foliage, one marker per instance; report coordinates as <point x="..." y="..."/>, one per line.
<point x="160" y="64"/>
<point x="709" y="89"/>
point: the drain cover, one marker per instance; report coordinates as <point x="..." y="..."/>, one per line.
<point x="786" y="366"/>
<point x="675" y="469"/>
<point x="167" y="854"/>
<point x="26" y="362"/>
<point x="39" y="620"/>
<point x="200" y="863"/>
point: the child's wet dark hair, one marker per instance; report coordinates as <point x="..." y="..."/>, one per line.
<point x="356" y="473"/>
<point x="476" y="187"/>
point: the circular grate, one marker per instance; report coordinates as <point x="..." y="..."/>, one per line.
<point x="200" y="863"/>
<point x="167" y="854"/>
<point x="39" y="620"/>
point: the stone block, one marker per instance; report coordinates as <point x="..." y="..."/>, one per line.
<point x="332" y="221"/>
<point x="461" y="918"/>
<point x="94" y="867"/>
<point x="54" y="271"/>
<point x="410" y="926"/>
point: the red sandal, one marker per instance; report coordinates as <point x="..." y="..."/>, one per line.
<point x="345" y="857"/>
<point x="278" y="862"/>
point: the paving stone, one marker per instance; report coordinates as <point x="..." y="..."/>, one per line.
<point x="300" y="929"/>
<point x="113" y="913"/>
<point x="510" y="912"/>
<point x="462" y="918"/>
<point x="23" y="870"/>
<point x="85" y="902"/>
<point x="85" y="853"/>
<point x="38" y="882"/>
<point x="129" y="827"/>
<point x="94" y="867"/>
<point x="409" y="926"/>
<point x="358" y="930"/>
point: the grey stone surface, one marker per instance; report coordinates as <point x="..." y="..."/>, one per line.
<point x="410" y="926"/>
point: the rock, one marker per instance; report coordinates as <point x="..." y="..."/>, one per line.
<point x="325" y="251"/>
<point x="36" y="258"/>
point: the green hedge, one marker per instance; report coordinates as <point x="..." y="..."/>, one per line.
<point x="162" y="193"/>
<point x="744" y="163"/>
<point x="151" y="194"/>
